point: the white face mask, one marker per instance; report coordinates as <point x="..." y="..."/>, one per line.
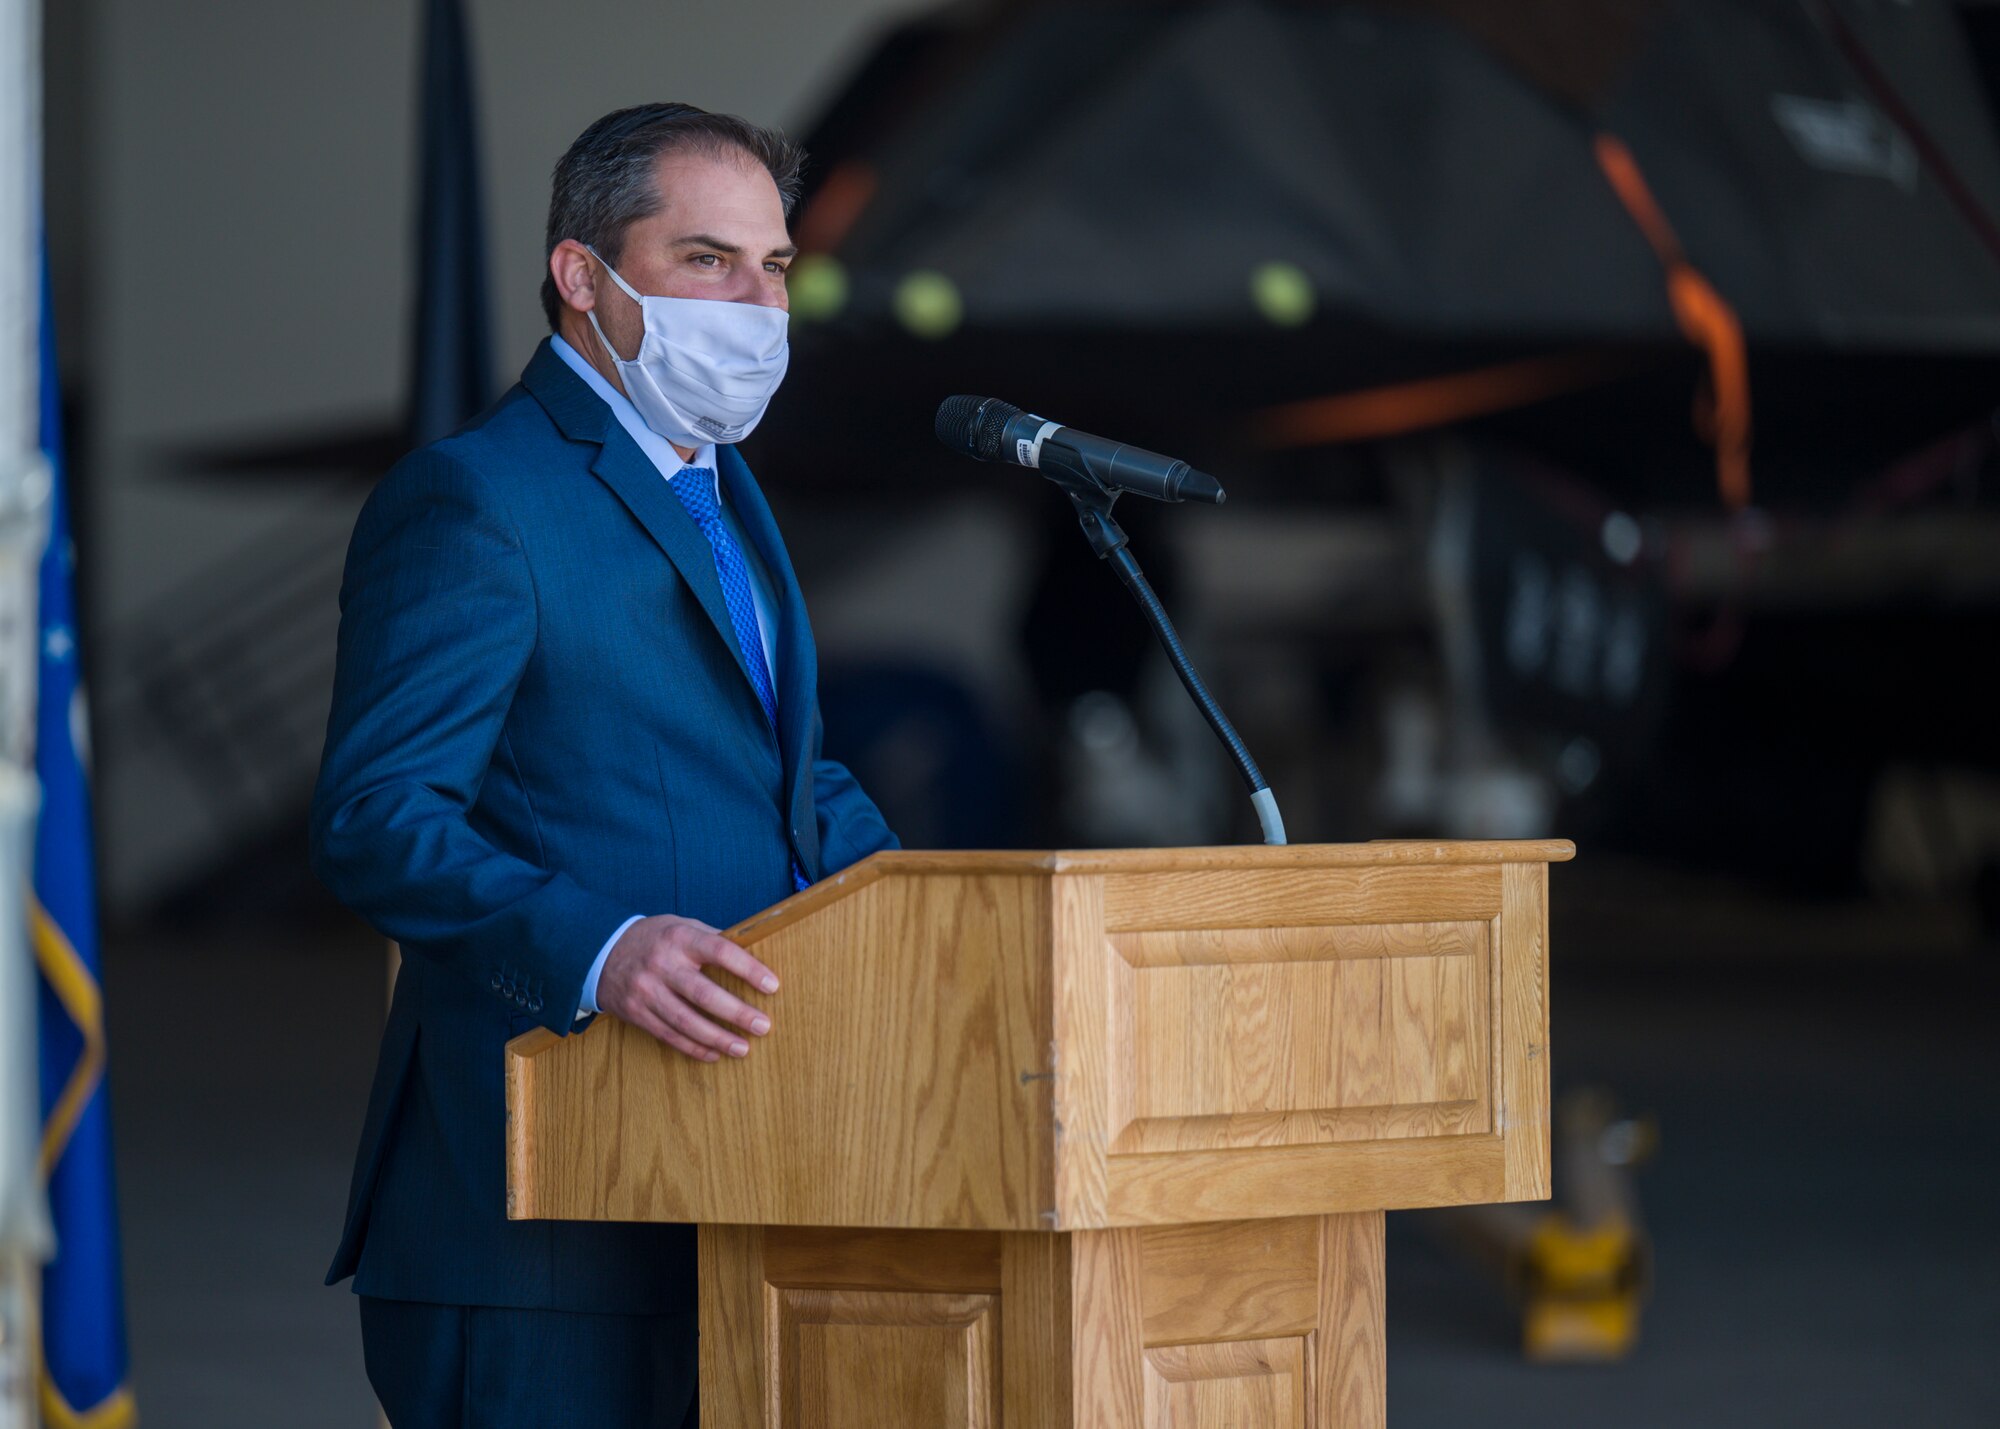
<point x="706" y="368"/>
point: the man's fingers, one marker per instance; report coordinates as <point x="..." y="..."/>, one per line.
<point x="694" y="985"/>
<point x="688" y="1049"/>
<point x="722" y="953"/>
<point x="681" y="1016"/>
<point x="649" y="1022"/>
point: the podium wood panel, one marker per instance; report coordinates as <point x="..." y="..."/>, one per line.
<point x="1232" y="1383"/>
<point x="1284" y="1036"/>
<point x="889" y="1092"/>
<point x="1231" y="1326"/>
<point x="1042" y="1042"/>
<point x="846" y="1357"/>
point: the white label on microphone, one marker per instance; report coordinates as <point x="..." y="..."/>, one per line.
<point x="1030" y="453"/>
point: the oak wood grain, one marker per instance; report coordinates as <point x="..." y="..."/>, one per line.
<point x="971" y="1042"/>
<point x="1218" y="1039"/>
<point x="863" y="1359"/>
<point x="831" y="1258"/>
<point x="1269" y="897"/>
<point x="1236" y="1385"/>
<point x="1524" y="1110"/>
<point x="1277" y="943"/>
<point x="1306" y="857"/>
<point x="1084" y="1094"/>
<point x="1249" y="1130"/>
<point x="904" y="1082"/>
<point x="731" y="1314"/>
<point x="1234" y="1280"/>
<point x="525" y="1146"/>
<point x="1021" y="862"/>
<point x="1037" y="1326"/>
<point x="1172" y="1187"/>
<point x="1107" y="1333"/>
<point x="1241" y="1323"/>
<point x="1350" y="1350"/>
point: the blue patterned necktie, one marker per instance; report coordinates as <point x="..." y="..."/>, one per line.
<point x="695" y="486"/>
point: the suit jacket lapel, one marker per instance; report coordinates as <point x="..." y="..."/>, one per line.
<point x="620" y="465"/>
<point x="638" y="483"/>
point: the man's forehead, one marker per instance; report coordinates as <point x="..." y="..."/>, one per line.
<point x="700" y="179"/>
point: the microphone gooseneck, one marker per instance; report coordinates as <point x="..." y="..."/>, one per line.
<point x="1093" y="473"/>
<point x="1261" y="798"/>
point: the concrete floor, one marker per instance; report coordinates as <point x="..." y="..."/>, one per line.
<point x="1822" y="1206"/>
<point x="240" y="1067"/>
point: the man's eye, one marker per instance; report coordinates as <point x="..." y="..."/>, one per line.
<point x="707" y="260"/>
<point x="779" y="268"/>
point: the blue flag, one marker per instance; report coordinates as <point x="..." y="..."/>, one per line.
<point x="451" y="379"/>
<point x="83" y="1298"/>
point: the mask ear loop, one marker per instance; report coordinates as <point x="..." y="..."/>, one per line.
<point x="609" y="350"/>
<point x="630" y="292"/>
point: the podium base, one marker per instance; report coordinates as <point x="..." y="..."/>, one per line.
<point x="1237" y="1325"/>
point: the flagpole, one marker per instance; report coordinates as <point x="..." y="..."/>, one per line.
<point x="25" y="1238"/>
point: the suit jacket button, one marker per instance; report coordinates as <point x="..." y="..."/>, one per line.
<point x="534" y="1004"/>
<point x="496" y="982"/>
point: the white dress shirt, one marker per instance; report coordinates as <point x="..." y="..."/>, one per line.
<point x="763" y="592"/>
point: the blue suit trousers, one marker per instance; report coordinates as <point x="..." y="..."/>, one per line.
<point x="486" y="1367"/>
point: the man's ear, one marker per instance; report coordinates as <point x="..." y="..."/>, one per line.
<point x="575" y="275"/>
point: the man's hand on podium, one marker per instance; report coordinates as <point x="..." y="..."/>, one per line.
<point x="656" y="980"/>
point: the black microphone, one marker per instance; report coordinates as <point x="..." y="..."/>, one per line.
<point x="991" y="430"/>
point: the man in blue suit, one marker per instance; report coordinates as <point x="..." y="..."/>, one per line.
<point x="575" y="730"/>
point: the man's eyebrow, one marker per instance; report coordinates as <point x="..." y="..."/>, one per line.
<point x="705" y="240"/>
<point x="708" y="240"/>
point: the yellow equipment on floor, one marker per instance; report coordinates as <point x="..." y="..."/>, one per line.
<point x="1580" y="1267"/>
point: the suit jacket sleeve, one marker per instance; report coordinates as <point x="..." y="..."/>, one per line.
<point x="850" y="826"/>
<point x="437" y="624"/>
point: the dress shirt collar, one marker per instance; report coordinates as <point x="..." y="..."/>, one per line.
<point x="657" y="448"/>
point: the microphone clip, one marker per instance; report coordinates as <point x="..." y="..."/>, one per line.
<point x="1092" y="499"/>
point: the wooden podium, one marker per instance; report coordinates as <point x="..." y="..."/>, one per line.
<point x="1091" y="1140"/>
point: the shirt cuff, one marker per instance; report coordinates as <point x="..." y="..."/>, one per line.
<point x="587" y="1005"/>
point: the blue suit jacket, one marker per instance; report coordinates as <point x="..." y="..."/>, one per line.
<point x="541" y="725"/>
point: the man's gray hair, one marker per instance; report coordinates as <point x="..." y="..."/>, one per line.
<point x="608" y="179"/>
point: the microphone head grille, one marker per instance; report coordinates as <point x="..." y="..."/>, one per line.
<point x="973" y="425"/>
<point x="957" y="421"/>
